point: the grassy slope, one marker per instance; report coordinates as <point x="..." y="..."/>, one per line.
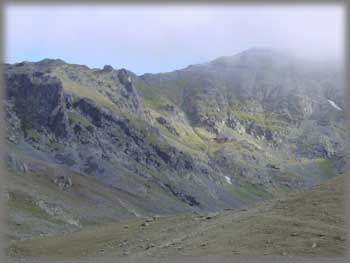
<point x="305" y="224"/>
<point x="88" y="201"/>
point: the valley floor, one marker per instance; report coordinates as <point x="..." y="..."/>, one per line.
<point x="306" y="224"/>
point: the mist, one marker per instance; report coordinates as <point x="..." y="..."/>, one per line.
<point x="150" y="39"/>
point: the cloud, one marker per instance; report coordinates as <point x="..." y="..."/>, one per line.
<point x="163" y="38"/>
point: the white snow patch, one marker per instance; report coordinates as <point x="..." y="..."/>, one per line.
<point x="334" y="105"/>
<point x="228" y="180"/>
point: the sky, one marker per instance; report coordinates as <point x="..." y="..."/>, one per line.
<point x="156" y="38"/>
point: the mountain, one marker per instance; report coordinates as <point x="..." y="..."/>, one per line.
<point x="91" y="146"/>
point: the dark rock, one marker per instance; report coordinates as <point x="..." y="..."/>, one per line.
<point x="91" y="166"/>
<point x="69" y="101"/>
<point x="176" y="159"/>
<point x="107" y="68"/>
<point x="211" y="123"/>
<point x="125" y="79"/>
<point x="273" y="166"/>
<point x="211" y="215"/>
<point x="156" y="217"/>
<point x="165" y="123"/>
<point x="77" y="129"/>
<point x="39" y="102"/>
<point x="65" y="159"/>
<point x="221" y="139"/>
<point x="162" y="120"/>
<point x="64" y="182"/>
<point x="190" y="200"/>
<point x="151" y="245"/>
<point x="258" y="131"/>
<point x="89" y="109"/>
<point x="169" y="108"/>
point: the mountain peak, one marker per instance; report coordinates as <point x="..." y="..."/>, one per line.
<point x="255" y="52"/>
<point x="51" y="62"/>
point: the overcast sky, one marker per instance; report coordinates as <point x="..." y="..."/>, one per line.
<point x="159" y="39"/>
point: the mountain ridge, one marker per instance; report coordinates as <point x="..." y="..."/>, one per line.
<point x="203" y="138"/>
<point x="249" y="50"/>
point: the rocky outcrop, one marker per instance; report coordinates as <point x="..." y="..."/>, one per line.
<point x="169" y="107"/>
<point x="190" y="200"/>
<point x="13" y="127"/>
<point x="174" y="158"/>
<point x="211" y="123"/>
<point x="166" y="124"/>
<point x="38" y="102"/>
<point x="107" y="68"/>
<point x="129" y="94"/>
<point x="259" y="132"/>
<point x="234" y="124"/>
<point x="16" y="164"/>
<point x="89" y="109"/>
<point x="63" y="182"/>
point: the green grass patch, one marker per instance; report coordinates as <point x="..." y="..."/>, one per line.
<point x="269" y="121"/>
<point x="84" y="91"/>
<point x="248" y="193"/>
<point x="312" y="171"/>
<point x="188" y="136"/>
<point x="22" y="202"/>
<point x="155" y="97"/>
<point x="326" y="168"/>
<point x="33" y="135"/>
<point x="203" y="133"/>
<point x="76" y="118"/>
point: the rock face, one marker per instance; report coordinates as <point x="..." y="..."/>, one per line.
<point x="171" y="140"/>
<point x="89" y="109"/>
<point x="256" y="80"/>
<point x="38" y="101"/>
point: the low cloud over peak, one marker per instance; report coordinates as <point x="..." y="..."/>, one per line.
<point x="163" y="38"/>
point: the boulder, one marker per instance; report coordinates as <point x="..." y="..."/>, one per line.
<point x="63" y="182"/>
<point x="107" y="68"/>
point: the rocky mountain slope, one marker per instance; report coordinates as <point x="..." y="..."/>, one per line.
<point x="225" y="134"/>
